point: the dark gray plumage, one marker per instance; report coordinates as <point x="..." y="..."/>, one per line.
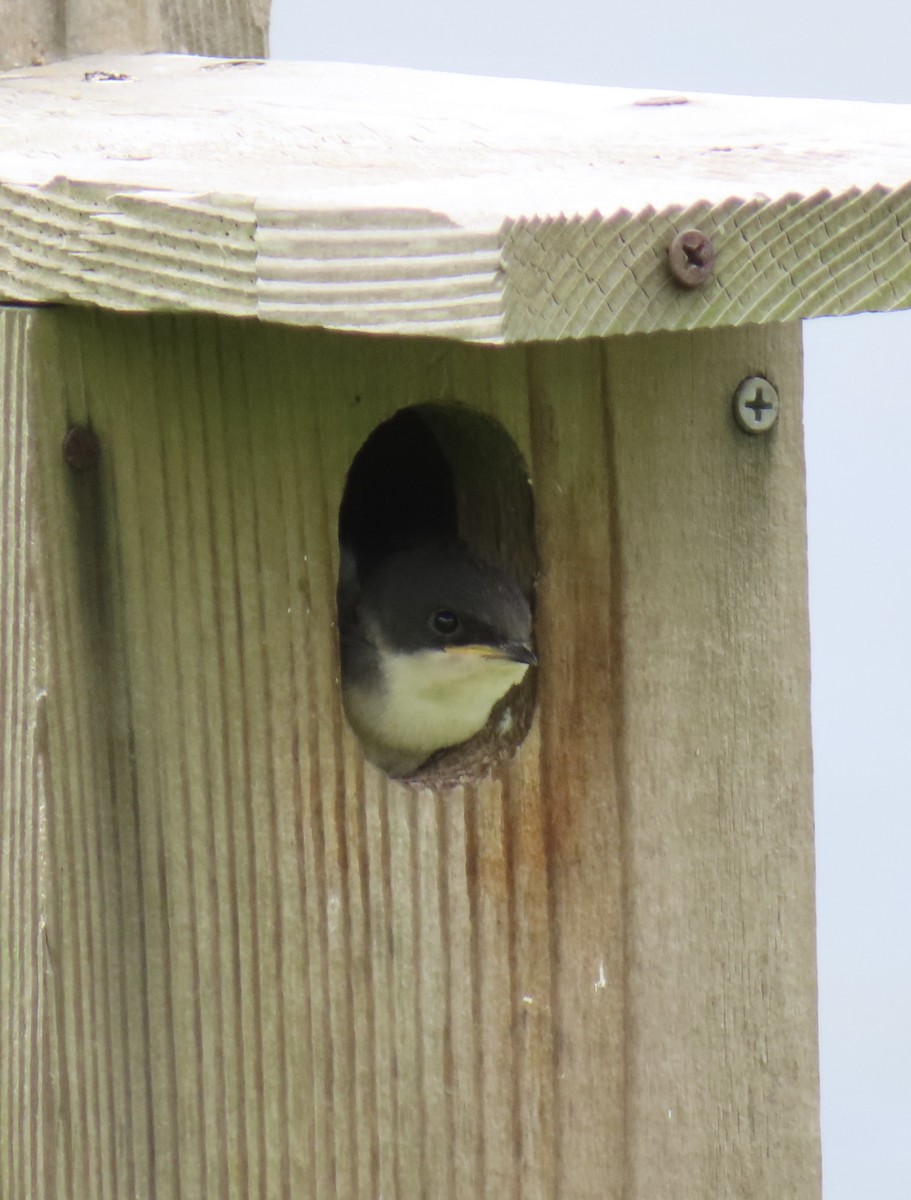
<point x="430" y="641"/>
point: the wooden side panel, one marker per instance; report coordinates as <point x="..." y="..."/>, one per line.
<point x="712" y="629"/>
<point x="23" y="947"/>
<point x="277" y="973"/>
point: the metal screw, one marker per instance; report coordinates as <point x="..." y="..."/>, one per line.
<point x="756" y="404"/>
<point x="81" y="448"/>
<point x="692" y="257"/>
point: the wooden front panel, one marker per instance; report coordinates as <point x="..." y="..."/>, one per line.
<point x="278" y="973"/>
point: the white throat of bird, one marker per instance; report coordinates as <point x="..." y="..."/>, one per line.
<point x="429" y="699"/>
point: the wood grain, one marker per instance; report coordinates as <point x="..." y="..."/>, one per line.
<point x="23" y="947"/>
<point x="718" y="834"/>
<point x="42" y="31"/>
<point x="277" y="973"/>
<point x="377" y="199"/>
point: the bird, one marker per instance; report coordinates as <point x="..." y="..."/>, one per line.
<point x="430" y="640"/>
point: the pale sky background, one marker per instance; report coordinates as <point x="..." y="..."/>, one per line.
<point x="858" y="424"/>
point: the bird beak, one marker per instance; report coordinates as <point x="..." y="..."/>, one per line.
<point x="519" y="652"/>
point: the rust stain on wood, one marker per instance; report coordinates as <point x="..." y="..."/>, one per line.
<point x="287" y="974"/>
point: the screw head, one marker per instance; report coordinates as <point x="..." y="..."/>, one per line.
<point x="81" y="448"/>
<point x="692" y="257"/>
<point x="755" y="404"/>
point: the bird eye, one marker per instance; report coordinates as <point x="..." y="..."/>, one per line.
<point x="445" y="622"/>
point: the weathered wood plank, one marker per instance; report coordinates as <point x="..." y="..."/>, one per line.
<point x="386" y="200"/>
<point x="23" y="947"/>
<point x="716" y="763"/>
<point x="276" y="972"/>
<point x="42" y="31"/>
<point x="581" y="723"/>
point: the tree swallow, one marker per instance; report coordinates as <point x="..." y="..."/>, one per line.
<point x="430" y="640"/>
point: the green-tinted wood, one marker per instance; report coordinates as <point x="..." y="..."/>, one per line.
<point x="23" y="946"/>
<point x="712" y="629"/>
<point x="277" y="973"/>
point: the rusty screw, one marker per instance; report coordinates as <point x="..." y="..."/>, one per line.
<point x="692" y="257"/>
<point x="81" y="448"/>
<point x="755" y="405"/>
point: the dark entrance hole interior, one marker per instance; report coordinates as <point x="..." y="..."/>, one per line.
<point x="444" y="472"/>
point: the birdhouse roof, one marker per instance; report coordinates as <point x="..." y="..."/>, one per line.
<point x="410" y="202"/>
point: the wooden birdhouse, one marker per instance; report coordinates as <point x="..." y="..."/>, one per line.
<point x="252" y="305"/>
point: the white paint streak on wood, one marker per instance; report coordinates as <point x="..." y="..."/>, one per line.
<point x="381" y="199"/>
